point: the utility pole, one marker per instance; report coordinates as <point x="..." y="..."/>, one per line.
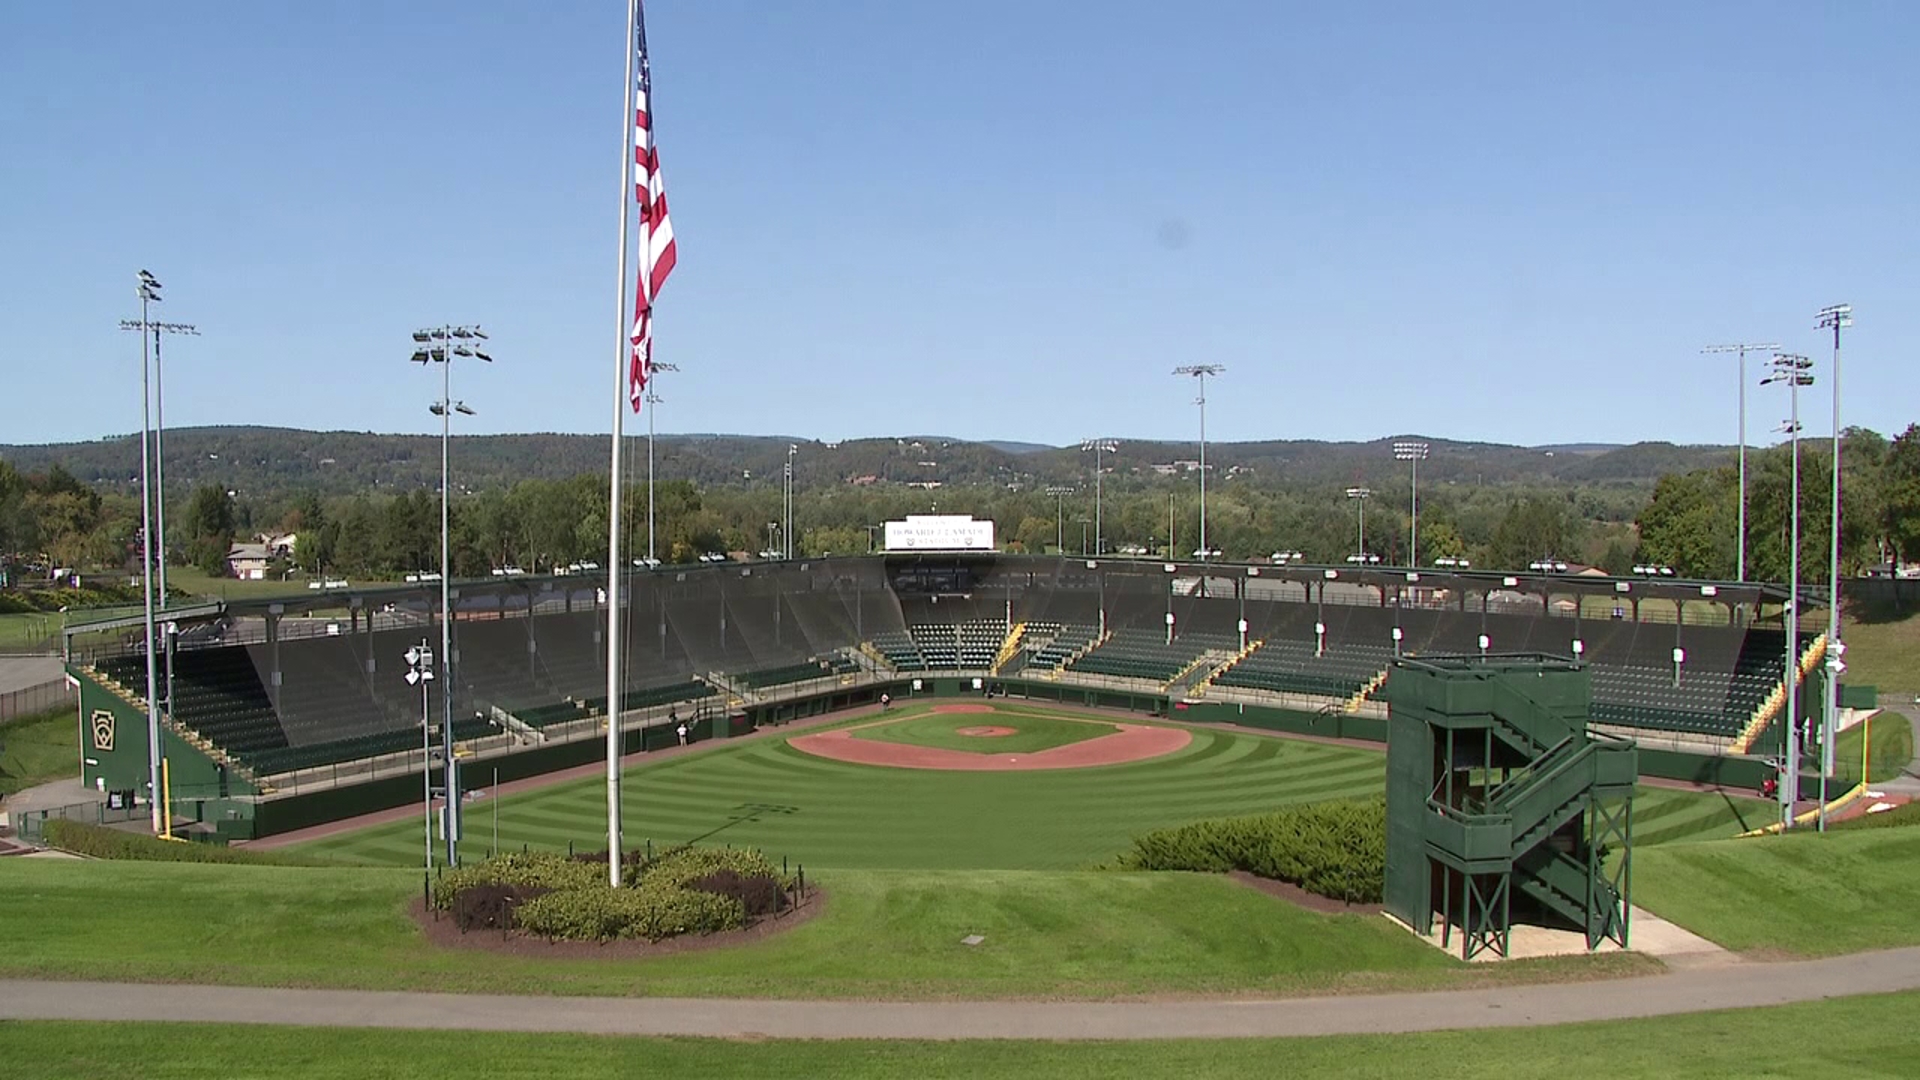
<point x="1059" y="494"/>
<point x="1200" y="372"/>
<point x="1741" y="349"/>
<point x="1098" y="446"/>
<point x="1360" y="495"/>
<point x="652" y="400"/>
<point x="1794" y="370"/>
<point x="1835" y="318"/>
<point x="1413" y="453"/>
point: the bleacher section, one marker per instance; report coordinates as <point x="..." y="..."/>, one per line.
<point x="817" y="668"/>
<point x="900" y="650"/>
<point x="1064" y="644"/>
<point x="536" y="652"/>
<point x="1140" y="654"/>
<point x="967" y="646"/>
<point x="1289" y="667"/>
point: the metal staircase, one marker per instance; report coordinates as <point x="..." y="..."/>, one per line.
<point x="1498" y="795"/>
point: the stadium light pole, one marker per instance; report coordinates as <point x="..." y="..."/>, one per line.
<point x="1360" y="495"/>
<point x="1200" y="372"/>
<point x="1412" y="452"/>
<point x="1741" y="349"/>
<point x="1098" y="446"/>
<point x="786" y="528"/>
<point x="147" y="288"/>
<point x="1060" y="493"/>
<point x="1836" y="318"/>
<point x="1793" y="370"/>
<point x="440" y="345"/>
<point x="652" y="399"/>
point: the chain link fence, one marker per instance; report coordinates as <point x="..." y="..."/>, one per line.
<point x="35" y="699"/>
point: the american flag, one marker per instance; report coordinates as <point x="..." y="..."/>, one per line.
<point x="656" y="232"/>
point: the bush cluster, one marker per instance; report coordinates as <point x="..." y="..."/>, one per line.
<point x="537" y="869"/>
<point x="1335" y="849"/>
<point x="492" y="907"/>
<point x="29" y="601"/>
<point x="101" y="842"/>
<point x="680" y="891"/>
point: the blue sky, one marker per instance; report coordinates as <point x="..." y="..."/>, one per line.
<point x="1515" y="222"/>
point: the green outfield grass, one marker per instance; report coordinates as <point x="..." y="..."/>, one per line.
<point x="1034" y="730"/>
<point x="832" y="814"/>
<point x="1803" y="893"/>
<point x="36" y="749"/>
<point x="1889" y="755"/>
<point x="882" y="934"/>
<point x="1864" y="1038"/>
<point x="765" y="794"/>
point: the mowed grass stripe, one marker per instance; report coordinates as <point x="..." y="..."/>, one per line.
<point x="856" y="816"/>
<point x="831" y="814"/>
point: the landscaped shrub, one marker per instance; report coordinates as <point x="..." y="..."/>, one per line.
<point x="602" y="912"/>
<point x="683" y="890"/>
<point x="104" y="843"/>
<point x="492" y="906"/>
<point x="758" y="894"/>
<point x="683" y="865"/>
<point x="544" y="869"/>
<point x="1335" y="849"/>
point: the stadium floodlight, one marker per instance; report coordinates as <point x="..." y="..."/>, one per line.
<point x="1741" y="349"/>
<point x="1795" y="371"/>
<point x="1098" y="446"/>
<point x="1413" y="452"/>
<point x="1835" y="317"/>
<point x="442" y="346"/>
<point x="1360" y="495"/>
<point x="1201" y="372"/>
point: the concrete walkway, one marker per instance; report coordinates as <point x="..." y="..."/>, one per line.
<point x="1689" y="991"/>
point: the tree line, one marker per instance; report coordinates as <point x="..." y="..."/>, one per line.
<point x="1687" y="521"/>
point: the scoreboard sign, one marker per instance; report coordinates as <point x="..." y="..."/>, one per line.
<point x="939" y="532"/>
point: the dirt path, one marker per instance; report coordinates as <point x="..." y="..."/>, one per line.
<point x="1738" y="986"/>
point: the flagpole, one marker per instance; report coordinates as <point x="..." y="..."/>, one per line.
<point x="621" y="360"/>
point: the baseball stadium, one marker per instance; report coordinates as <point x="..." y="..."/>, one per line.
<point x="965" y="804"/>
<point x="957" y="759"/>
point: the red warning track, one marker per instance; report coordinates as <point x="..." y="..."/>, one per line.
<point x="1133" y="742"/>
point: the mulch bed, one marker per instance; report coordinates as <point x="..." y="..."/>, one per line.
<point x="1299" y="897"/>
<point x="443" y="933"/>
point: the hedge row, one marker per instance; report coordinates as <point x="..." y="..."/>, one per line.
<point x="103" y="843"/>
<point x="28" y="601"/>
<point x="680" y="891"/>
<point x="1335" y="849"/>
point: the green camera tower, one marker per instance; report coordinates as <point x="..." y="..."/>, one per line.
<point x="1499" y="801"/>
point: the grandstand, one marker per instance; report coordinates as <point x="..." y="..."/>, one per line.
<point x="273" y="700"/>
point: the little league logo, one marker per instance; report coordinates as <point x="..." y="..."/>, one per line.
<point x="102" y="726"/>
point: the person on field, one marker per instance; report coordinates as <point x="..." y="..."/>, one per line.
<point x="886" y="701"/>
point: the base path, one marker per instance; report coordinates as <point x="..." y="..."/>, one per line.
<point x="1736" y="986"/>
<point x="1133" y="742"/>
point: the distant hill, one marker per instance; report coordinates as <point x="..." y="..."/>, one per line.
<point x="264" y="461"/>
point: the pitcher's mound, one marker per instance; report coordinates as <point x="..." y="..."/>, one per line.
<point x="987" y="732"/>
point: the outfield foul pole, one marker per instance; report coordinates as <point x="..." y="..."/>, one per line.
<point x="622" y="354"/>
